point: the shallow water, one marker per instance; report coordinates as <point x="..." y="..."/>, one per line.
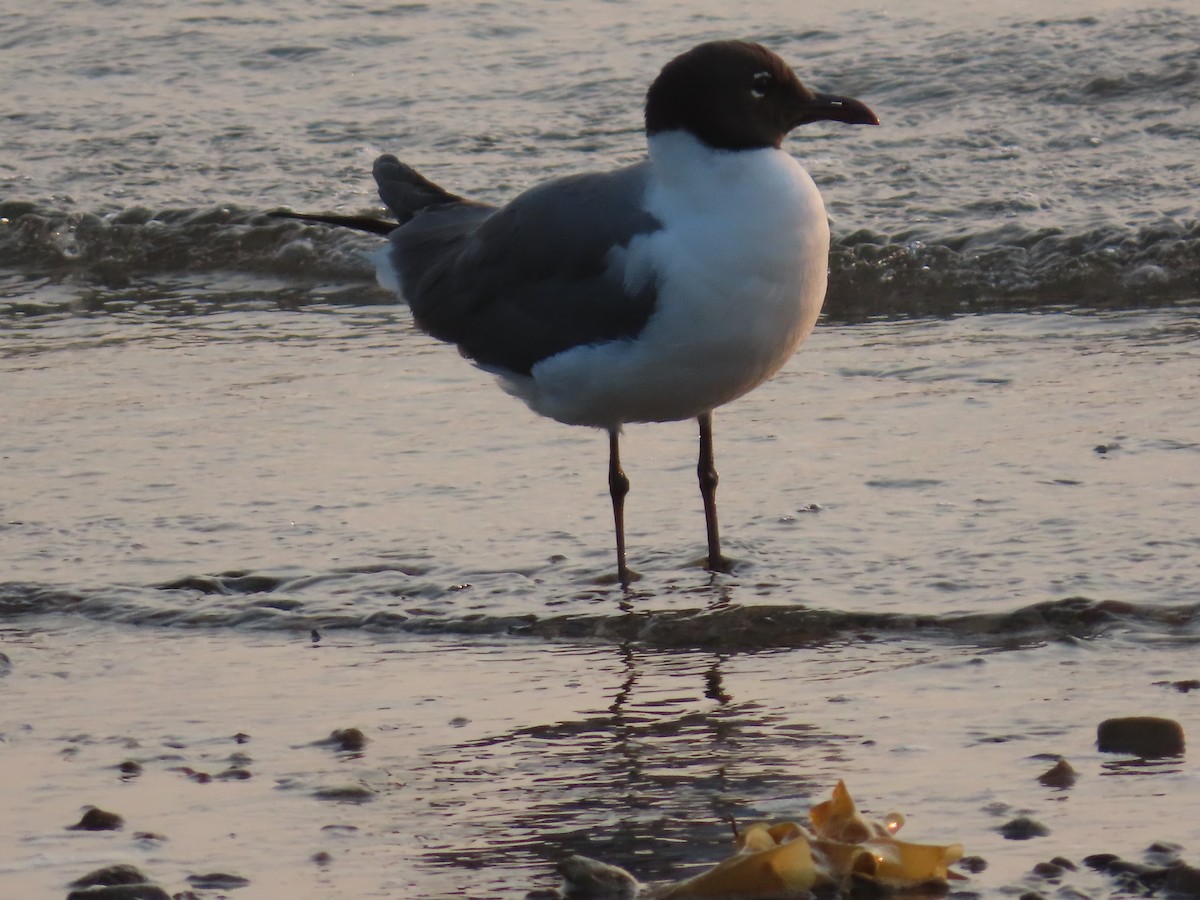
<point x="490" y="758"/>
<point x="937" y="467"/>
<point x="960" y="541"/>
<point x="921" y="511"/>
<point x="1026" y="159"/>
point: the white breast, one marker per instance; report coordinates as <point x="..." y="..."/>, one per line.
<point x="740" y="265"/>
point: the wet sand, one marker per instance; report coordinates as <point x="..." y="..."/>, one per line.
<point x="487" y="760"/>
<point x="932" y="494"/>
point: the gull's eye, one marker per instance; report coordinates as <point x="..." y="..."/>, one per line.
<point x="761" y="81"/>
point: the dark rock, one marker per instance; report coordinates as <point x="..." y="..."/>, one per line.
<point x="217" y="881"/>
<point x="1146" y="736"/>
<point x="322" y="858"/>
<point x="586" y="877"/>
<point x="1190" y="684"/>
<point x="1124" y="865"/>
<point x="120" y="892"/>
<point x="130" y="768"/>
<point x="1163" y="853"/>
<point x="1048" y="870"/>
<point x="1064" y="863"/>
<point x="1182" y="881"/>
<point x="1022" y="828"/>
<point x="120" y="882"/>
<point x="973" y="864"/>
<point x="233" y="775"/>
<point x="1128" y="883"/>
<point x="119" y="874"/>
<point x="1032" y="895"/>
<point x="1131" y="877"/>
<point x="1060" y="775"/>
<point x="348" y="739"/>
<point x="350" y="793"/>
<point x="98" y="820"/>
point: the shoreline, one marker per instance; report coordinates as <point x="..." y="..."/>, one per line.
<point x="486" y="760"/>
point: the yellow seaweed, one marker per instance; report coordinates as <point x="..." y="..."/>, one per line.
<point x="895" y="863"/>
<point x="762" y="868"/>
<point x="838" y="819"/>
<point x="899" y="864"/>
<point x="785" y="860"/>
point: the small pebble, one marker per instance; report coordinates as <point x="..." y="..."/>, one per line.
<point x="348" y="739"/>
<point x="198" y="777"/>
<point x="589" y="877"/>
<point x="1048" y="870"/>
<point x="351" y="793"/>
<point x="119" y="882"/>
<point x="1023" y="828"/>
<point x="1163" y="852"/>
<point x="98" y="820"/>
<point x="1060" y="775"/>
<point x="1190" y="684"/>
<point x="120" y="892"/>
<point x="217" y="881"/>
<point x="109" y="875"/>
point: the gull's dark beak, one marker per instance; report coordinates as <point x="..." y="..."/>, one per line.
<point x="830" y="107"/>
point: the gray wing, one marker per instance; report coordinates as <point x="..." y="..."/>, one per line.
<point x="515" y="285"/>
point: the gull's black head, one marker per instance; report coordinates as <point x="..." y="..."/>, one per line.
<point x="735" y="95"/>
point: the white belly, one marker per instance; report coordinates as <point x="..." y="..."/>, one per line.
<point x="740" y="267"/>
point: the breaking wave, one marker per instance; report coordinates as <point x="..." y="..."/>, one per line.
<point x="260" y="601"/>
<point x="104" y="258"/>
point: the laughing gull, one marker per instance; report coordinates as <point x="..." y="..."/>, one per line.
<point x="652" y="293"/>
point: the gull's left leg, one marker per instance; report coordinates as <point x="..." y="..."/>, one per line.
<point x="706" y="469"/>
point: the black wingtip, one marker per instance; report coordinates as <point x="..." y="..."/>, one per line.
<point x="357" y="223"/>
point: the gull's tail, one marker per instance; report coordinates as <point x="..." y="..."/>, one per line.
<point x="406" y="192"/>
<point x="403" y="190"/>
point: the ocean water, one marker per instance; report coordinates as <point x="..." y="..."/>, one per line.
<point x="241" y="495"/>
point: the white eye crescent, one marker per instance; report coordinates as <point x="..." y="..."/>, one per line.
<point x="761" y="80"/>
